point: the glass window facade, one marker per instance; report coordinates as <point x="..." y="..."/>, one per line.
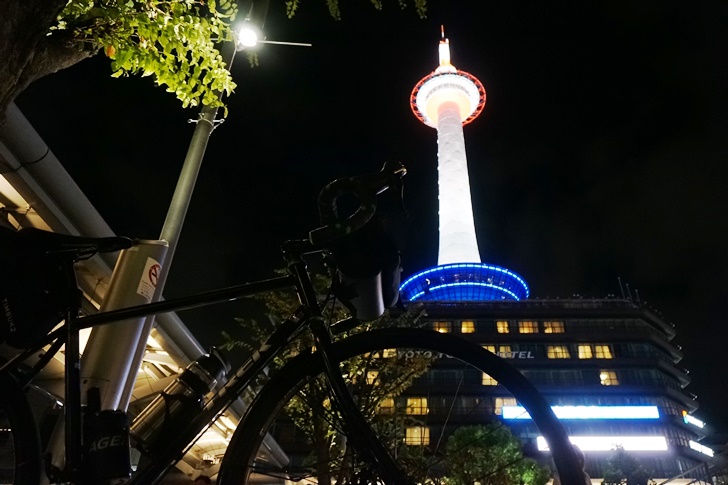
<point x="489" y="381"/>
<point x="553" y="327"/>
<point x="503" y="401"/>
<point x="467" y="326"/>
<point x="608" y="378"/>
<point x="417" y="435"/>
<point x="585" y="352"/>
<point x="442" y="327"/>
<point x="603" y="352"/>
<point x="386" y="406"/>
<point x="558" y="352"/>
<point x="502" y="326"/>
<point x="527" y="326"/>
<point x="372" y="376"/>
<point x="416" y="406"/>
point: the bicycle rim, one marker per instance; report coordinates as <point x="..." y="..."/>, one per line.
<point x="20" y="461"/>
<point x="416" y="388"/>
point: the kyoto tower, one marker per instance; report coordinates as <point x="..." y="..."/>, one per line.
<point x="446" y="100"/>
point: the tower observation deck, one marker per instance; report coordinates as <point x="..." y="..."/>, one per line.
<point x="446" y="100"/>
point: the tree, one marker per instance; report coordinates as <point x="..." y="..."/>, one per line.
<point x="175" y="41"/>
<point x="622" y="467"/>
<point x="490" y="455"/>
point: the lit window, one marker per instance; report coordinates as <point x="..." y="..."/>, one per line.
<point x="608" y="378"/>
<point x="557" y="352"/>
<point x="585" y="352"/>
<point x="467" y="326"/>
<point x="504" y="351"/>
<point x="527" y="327"/>
<point x="372" y="376"/>
<point x="553" y="327"/>
<point x="489" y="381"/>
<point x="442" y="327"/>
<point x="603" y="351"/>
<point x="490" y="348"/>
<point x="417" y="405"/>
<point x="504" y="401"/>
<point x="417" y="435"/>
<point x="502" y="326"/>
<point x="386" y="406"/>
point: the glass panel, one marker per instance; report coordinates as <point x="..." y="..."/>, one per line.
<point x="417" y="405"/>
<point x="603" y="351"/>
<point x="527" y="327"/>
<point x="467" y="326"/>
<point x="417" y="435"/>
<point x="386" y="406"/>
<point x="553" y="327"/>
<point x="502" y="326"/>
<point x="489" y="381"/>
<point x="504" y="401"/>
<point x="557" y="352"/>
<point x="608" y="378"/>
<point x="372" y="376"/>
<point x="585" y="352"/>
<point x="442" y="327"/>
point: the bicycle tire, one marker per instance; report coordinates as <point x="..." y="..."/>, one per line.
<point x="20" y="455"/>
<point x="242" y="463"/>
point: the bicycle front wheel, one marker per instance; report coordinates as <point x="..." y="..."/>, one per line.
<point x="415" y="387"/>
<point x="20" y="461"/>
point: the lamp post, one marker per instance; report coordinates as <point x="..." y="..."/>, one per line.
<point x="114" y="352"/>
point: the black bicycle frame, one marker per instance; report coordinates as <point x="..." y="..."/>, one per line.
<point x="309" y="315"/>
<point x="311" y="318"/>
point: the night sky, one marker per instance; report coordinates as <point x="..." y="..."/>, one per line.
<point x="601" y="152"/>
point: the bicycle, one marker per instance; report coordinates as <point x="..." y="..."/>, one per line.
<point x="364" y="445"/>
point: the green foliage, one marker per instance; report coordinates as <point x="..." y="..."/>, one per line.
<point x="490" y="455"/>
<point x="175" y="41"/>
<point x="622" y="468"/>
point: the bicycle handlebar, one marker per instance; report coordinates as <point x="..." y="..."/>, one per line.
<point x="365" y="188"/>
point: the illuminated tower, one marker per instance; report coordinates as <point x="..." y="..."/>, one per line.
<point x="446" y="100"/>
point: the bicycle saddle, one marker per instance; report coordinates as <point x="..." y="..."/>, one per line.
<point x="52" y="243"/>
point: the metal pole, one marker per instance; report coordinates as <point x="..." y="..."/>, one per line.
<point x="174" y="221"/>
<point x="118" y="382"/>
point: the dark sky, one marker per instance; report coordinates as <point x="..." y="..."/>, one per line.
<point x="601" y="152"/>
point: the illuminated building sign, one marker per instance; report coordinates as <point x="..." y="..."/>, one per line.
<point x="691" y="420"/>
<point x="589" y="412"/>
<point x="607" y="443"/>
<point x="701" y="448"/>
<point x="523" y="354"/>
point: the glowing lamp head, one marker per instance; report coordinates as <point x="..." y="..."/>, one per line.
<point x="247" y="36"/>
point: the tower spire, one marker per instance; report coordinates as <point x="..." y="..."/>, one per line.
<point x="446" y="100"/>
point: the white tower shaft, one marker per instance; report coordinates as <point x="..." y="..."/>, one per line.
<point x="457" y="227"/>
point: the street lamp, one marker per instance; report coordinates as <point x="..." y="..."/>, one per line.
<point x="114" y="353"/>
<point x="249" y="35"/>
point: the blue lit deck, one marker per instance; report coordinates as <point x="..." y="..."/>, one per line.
<point x="464" y="282"/>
